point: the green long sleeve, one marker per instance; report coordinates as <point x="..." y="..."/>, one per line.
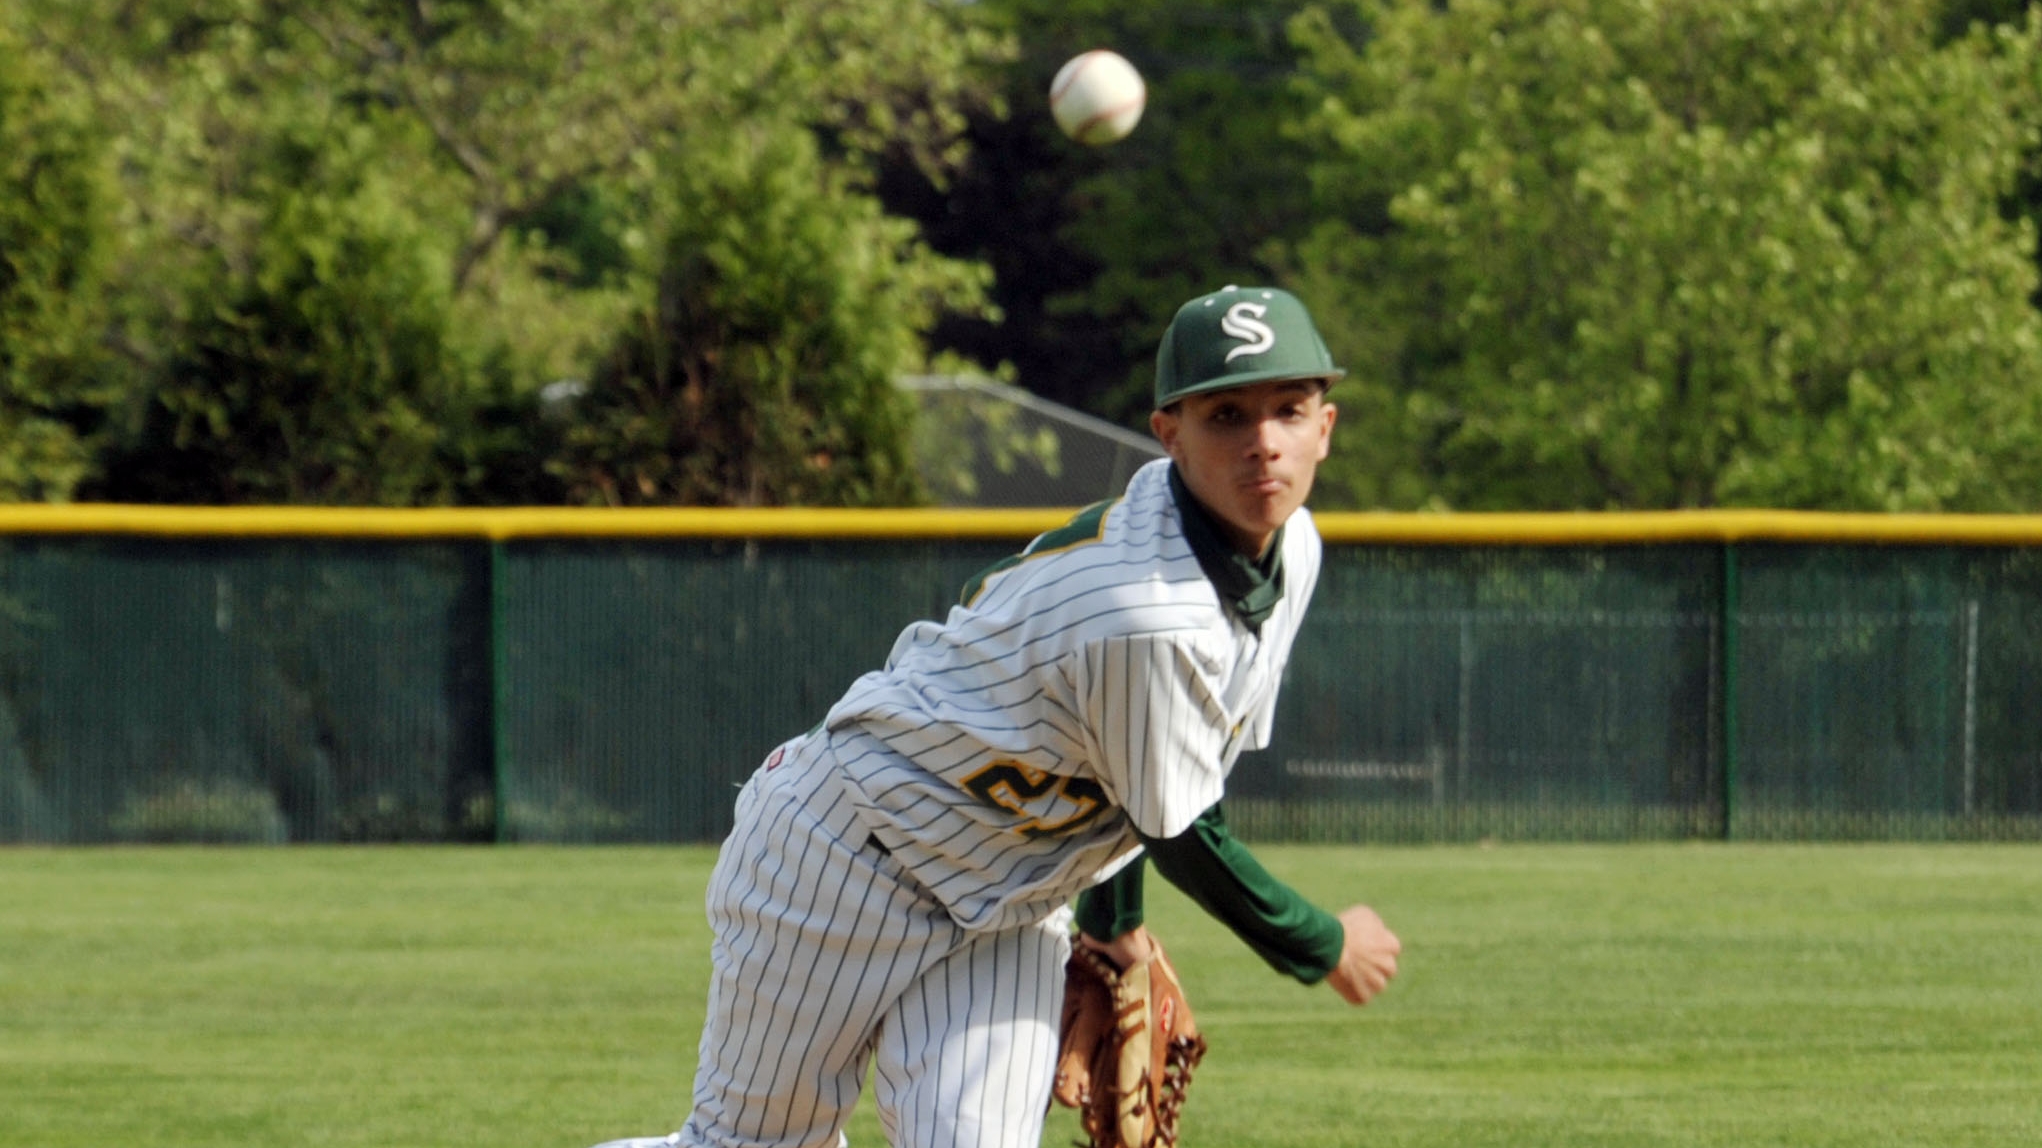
<point x="1113" y="906"/>
<point x="1215" y="870"/>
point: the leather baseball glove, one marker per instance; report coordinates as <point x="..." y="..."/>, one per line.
<point x="1128" y="1048"/>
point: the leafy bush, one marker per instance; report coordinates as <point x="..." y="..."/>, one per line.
<point x="52" y="229"/>
<point x="205" y="811"/>
<point x="762" y="371"/>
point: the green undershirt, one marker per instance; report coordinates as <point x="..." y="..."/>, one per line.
<point x="1249" y="587"/>
<point x="1295" y="936"/>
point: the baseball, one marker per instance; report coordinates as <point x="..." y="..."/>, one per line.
<point x="1097" y="97"/>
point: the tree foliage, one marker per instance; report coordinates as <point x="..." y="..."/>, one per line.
<point x="52" y="237"/>
<point x="1577" y="252"/>
<point x="313" y="364"/>
<point x="393" y="223"/>
<point x="532" y="102"/>
<point x="1612" y="253"/>
<point x="762" y="370"/>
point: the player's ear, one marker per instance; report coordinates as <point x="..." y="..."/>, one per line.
<point x="1163" y="424"/>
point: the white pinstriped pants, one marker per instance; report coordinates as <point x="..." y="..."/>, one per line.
<point x="829" y="958"/>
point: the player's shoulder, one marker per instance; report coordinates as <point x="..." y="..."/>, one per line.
<point x="1137" y="522"/>
<point x="1127" y="552"/>
<point x="1127" y="539"/>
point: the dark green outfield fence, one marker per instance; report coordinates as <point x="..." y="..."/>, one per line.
<point x="267" y="675"/>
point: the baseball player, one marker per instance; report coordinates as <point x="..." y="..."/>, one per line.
<point x="897" y="892"/>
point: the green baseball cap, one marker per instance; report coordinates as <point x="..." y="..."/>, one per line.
<point x="1236" y="337"/>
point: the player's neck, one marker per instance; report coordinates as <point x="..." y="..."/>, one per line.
<point x="1249" y="585"/>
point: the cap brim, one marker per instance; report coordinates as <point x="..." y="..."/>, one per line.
<point x="1249" y="379"/>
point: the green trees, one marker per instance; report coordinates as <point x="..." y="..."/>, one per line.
<point x="1602" y="253"/>
<point x="359" y="238"/>
<point x="52" y="236"/>
<point x="762" y="369"/>
<point x="311" y="361"/>
<point x="1577" y="253"/>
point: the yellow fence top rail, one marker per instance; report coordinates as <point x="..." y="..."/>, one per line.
<point x="497" y="524"/>
<point x="1442" y="529"/>
<point x="1671" y="526"/>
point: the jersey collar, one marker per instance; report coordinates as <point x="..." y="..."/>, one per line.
<point x="1248" y="587"/>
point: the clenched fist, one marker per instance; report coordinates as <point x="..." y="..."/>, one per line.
<point x="1368" y="957"/>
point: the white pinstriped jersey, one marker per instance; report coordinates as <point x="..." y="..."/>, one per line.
<point x="1006" y="754"/>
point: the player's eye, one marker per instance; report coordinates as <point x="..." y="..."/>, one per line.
<point x="1302" y="402"/>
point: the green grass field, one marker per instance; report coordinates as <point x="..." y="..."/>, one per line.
<point x="549" y="998"/>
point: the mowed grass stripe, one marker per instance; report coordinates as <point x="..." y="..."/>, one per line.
<point x="1552" y="995"/>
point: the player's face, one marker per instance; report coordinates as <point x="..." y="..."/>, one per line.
<point x="1249" y="454"/>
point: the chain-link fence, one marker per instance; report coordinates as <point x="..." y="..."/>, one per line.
<point x="613" y="678"/>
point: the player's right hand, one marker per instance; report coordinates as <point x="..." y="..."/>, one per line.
<point x="1368" y="956"/>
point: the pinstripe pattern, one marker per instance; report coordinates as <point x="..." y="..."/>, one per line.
<point x="1090" y="689"/>
<point x="828" y="956"/>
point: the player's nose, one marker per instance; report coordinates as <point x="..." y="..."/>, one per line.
<point x="1266" y="441"/>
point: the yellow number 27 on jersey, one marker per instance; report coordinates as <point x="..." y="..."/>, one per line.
<point x="1011" y="786"/>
